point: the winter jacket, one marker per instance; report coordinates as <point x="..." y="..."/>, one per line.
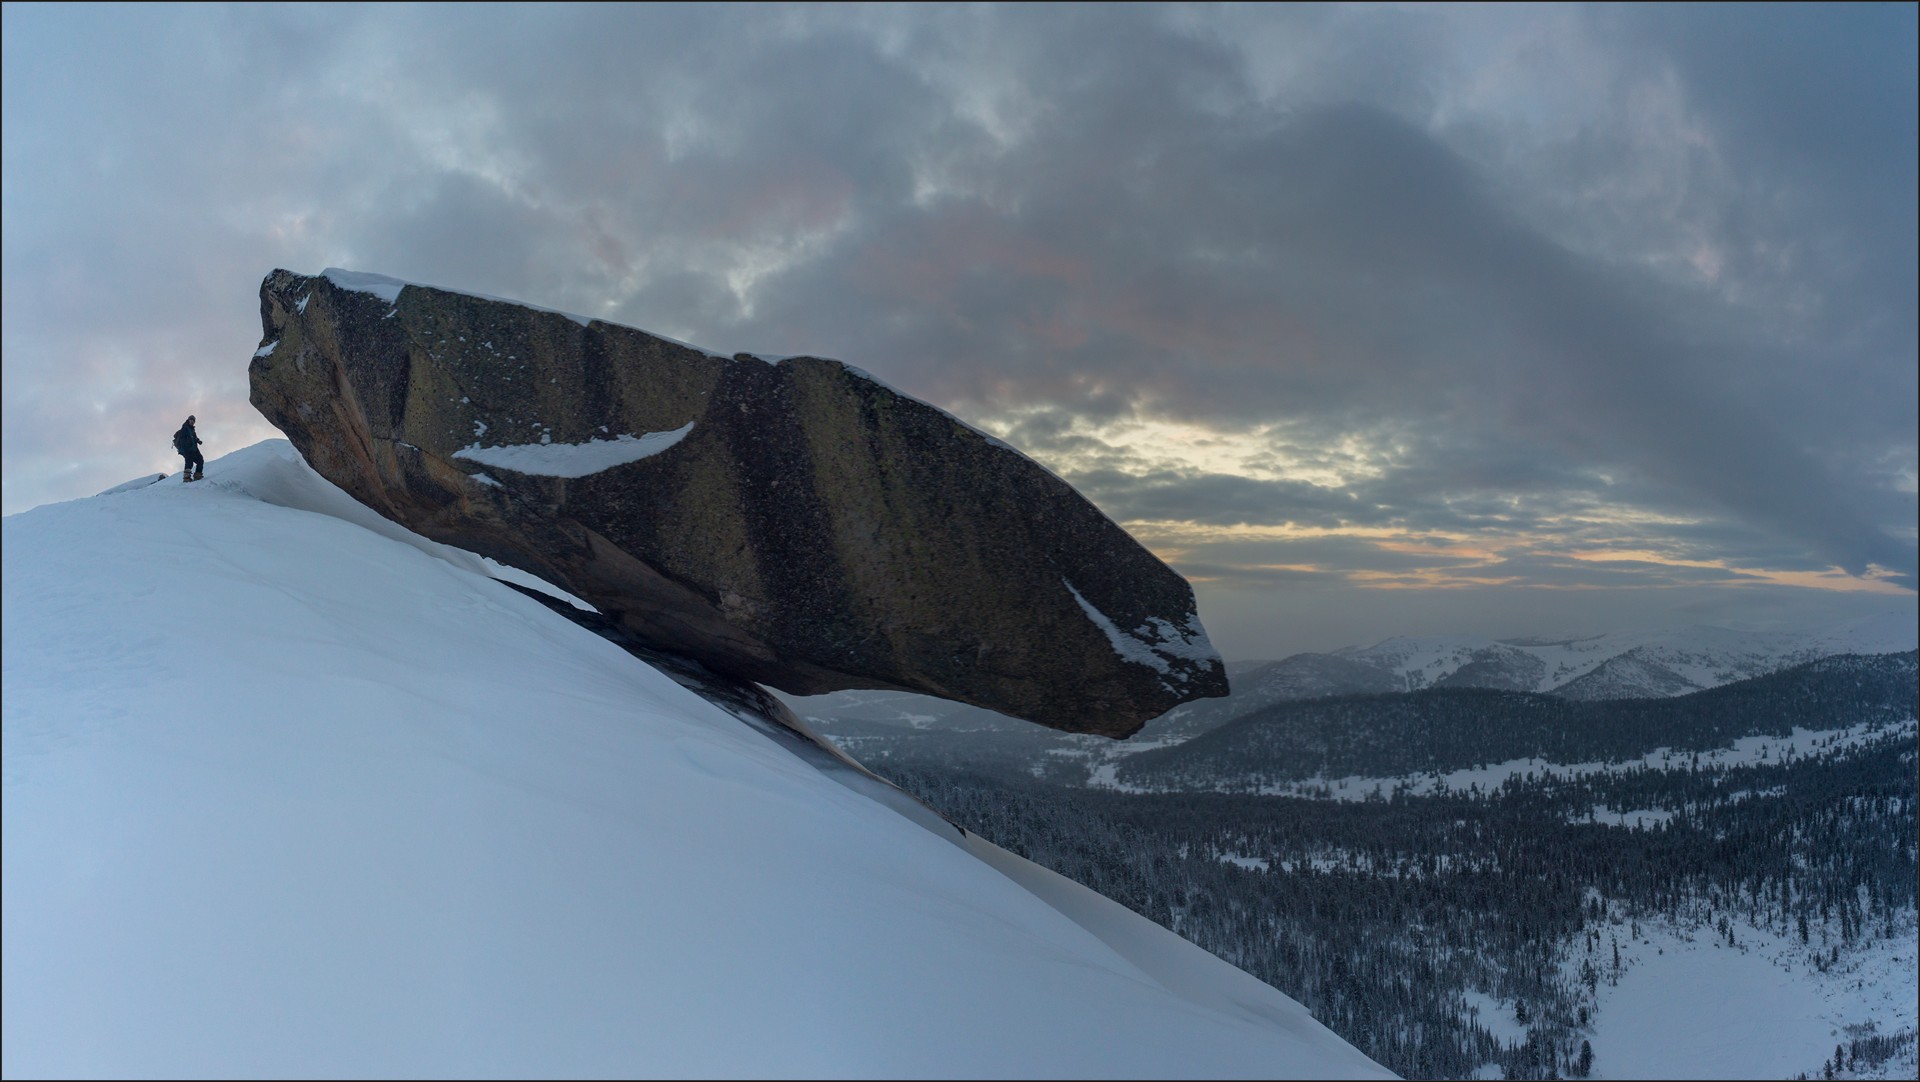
<point x="185" y="440"/>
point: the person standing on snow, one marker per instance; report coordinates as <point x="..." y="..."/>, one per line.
<point x="187" y="442"/>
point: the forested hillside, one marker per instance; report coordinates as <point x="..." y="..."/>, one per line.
<point x="1464" y="931"/>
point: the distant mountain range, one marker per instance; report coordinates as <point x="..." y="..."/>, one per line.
<point x="1437" y="730"/>
<point x="1616" y="665"/>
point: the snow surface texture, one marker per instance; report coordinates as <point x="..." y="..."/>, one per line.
<point x="1690" y="1006"/>
<point x="138" y="482"/>
<point x="573" y="459"/>
<point x="291" y="791"/>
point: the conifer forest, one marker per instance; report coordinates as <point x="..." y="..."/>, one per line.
<point x="1451" y="930"/>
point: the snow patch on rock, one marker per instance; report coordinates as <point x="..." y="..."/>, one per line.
<point x="381" y="286"/>
<point x="1155" y="644"/>
<point x="547" y="459"/>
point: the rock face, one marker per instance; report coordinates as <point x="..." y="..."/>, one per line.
<point x="796" y="523"/>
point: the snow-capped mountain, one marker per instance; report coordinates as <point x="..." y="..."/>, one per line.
<point x="291" y="791"/>
<point x="1628" y="664"/>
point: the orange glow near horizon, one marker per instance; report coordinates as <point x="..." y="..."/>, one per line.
<point x="1174" y="542"/>
<point x="1622" y="539"/>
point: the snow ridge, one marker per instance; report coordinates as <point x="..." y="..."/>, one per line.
<point x="415" y="823"/>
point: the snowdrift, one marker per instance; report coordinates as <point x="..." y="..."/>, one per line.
<point x="290" y="791"/>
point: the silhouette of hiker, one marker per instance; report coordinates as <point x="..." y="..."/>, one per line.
<point x="187" y="442"/>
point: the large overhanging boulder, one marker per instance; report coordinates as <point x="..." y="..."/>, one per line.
<point x="795" y="523"/>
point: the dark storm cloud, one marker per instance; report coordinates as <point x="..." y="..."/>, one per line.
<point x="1645" y="283"/>
<point x="1828" y="105"/>
<point x="1223" y="499"/>
<point x="1199" y="262"/>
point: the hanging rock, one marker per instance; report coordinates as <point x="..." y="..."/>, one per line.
<point x="796" y="524"/>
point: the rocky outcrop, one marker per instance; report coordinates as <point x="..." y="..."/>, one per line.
<point x="793" y="523"/>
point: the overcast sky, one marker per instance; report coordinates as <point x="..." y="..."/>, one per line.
<point x="1369" y="320"/>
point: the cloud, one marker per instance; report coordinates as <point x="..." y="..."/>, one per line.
<point x="1560" y="281"/>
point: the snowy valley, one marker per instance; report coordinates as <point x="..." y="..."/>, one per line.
<point x="1472" y="882"/>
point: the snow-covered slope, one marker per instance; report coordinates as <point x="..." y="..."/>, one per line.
<point x="288" y="791"/>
